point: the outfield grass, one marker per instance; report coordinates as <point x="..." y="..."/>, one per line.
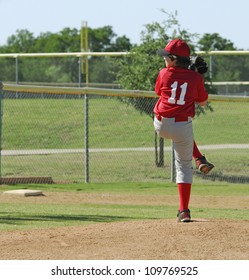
<point x="150" y="188"/>
<point x="116" y="166"/>
<point x="229" y="123"/>
<point x="20" y="215"/>
<point x="59" y="123"/>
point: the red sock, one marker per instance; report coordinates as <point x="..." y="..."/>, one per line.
<point x="196" y="152"/>
<point x="184" y="191"/>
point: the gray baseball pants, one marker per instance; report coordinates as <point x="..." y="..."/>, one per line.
<point x="182" y="136"/>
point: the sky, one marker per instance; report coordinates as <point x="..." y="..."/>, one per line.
<point x="230" y="19"/>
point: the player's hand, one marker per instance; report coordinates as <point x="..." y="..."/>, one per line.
<point x="198" y="64"/>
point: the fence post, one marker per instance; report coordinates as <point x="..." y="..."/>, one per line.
<point x="86" y="141"/>
<point x="1" y="98"/>
<point x="79" y="78"/>
<point x="17" y="71"/>
<point x="211" y="67"/>
<point x="173" y="175"/>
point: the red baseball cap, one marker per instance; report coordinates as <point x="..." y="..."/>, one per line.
<point x="176" y="47"/>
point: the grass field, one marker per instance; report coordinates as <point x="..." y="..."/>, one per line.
<point x="115" y="166"/>
<point x="135" y="217"/>
<point x="227" y="124"/>
<point x="59" y="123"/>
<point x="113" y="202"/>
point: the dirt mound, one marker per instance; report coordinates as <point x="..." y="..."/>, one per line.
<point x="136" y="240"/>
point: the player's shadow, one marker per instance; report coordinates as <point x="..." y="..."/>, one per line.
<point x="61" y="218"/>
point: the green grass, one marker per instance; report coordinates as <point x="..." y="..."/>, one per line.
<point x="116" y="167"/>
<point x="229" y="123"/>
<point x="17" y="215"/>
<point x="59" y="123"/>
<point x="120" y="188"/>
<point x="209" y="188"/>
<point x="42" y="123"/>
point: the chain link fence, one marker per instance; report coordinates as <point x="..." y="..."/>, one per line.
<point x="55" y="134"/>
<point x="72" y="132"/>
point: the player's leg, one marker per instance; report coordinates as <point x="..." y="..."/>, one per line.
<point x="182" y="136"/>
<point x="200" y="160"/>
<point x="196" y="152"/>
<point x="183" y="148"/>
<point x="184" y="191"/>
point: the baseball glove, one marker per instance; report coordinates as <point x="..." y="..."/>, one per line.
<point x="198" y="64"/>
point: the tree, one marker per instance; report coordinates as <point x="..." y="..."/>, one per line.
<point x="61" y="69"/>
<point x="67" y="40"/>
<point x="224" y="68"/>
<point x="138" y="71"/>
<point x="23" y="42"/>
<point x="220" y="69"/>
<point x="103" y="69"/>
<point x="100" y="39"/>
<point x="214" y="42"/>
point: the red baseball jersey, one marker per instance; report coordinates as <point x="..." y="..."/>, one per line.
<point x="178" y="89"/>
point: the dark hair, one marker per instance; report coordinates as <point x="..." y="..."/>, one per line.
<point x="182" y="61"/>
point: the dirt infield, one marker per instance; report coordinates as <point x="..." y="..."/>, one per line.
<point x="204" y="239"/>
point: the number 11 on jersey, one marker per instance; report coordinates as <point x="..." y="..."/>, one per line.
<point x="173" y="99"/>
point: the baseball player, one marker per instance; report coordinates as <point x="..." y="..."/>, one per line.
<point x="179" y="88"/>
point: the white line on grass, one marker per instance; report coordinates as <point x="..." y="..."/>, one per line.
<point x="104" y="150"/>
